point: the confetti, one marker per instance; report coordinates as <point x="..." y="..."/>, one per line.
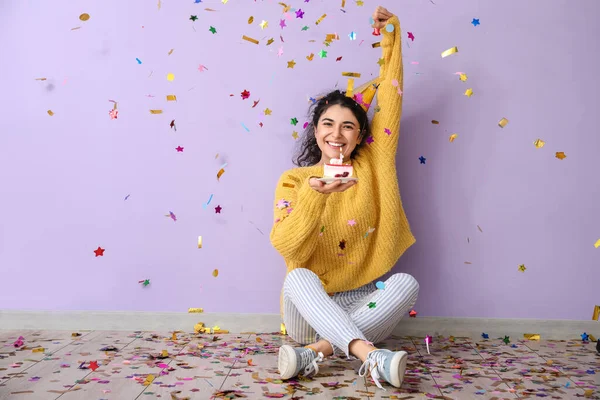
<point x="422" y="159"/>
<point x="148" y="380"/>
<point x="199" y="242"/>
<point x="411" y="36"/>
<point x="84" y="17"/>
<point x="263" y="24"/>
<point x="427" y="341"/>
<point x="380" y="285"/>
<point x="245" y="94"/>
<point x="245" y="127"/>
<point x="193" y="17"/>
<point x="170" y="76"/>
<point x="435" y="122"/>
<point x="531" y="336"/>
<point x="596" y="314"/>
<point x="218" y="209"/>
<point x="561" y="155"/>
<point x="342" y="244"/>
<point x="453" y="137"/>
<point x="352" y="35"/>
<point x="288" y="185"/>
<point x="475" y="21"/>
<point x="93" y="365"/>
<point x="522" y="268"/>
<point x="294" y="121"/>
<point x="291" y="64"/>
<point x="351" y="74"/>
<point x="171" y="97"/>
<point x="321" y="19"/>
<point x="282" y="329"/>
<point x="172" y="216"/>
<point x="213" y="30"/>
<point x="145" y="282"/>
<point x="138" y="60"/>
<point x="195" y="310"/>
<point x="156" y="111"/>
<point x="38" y="350"/>
<point x="506" y="339"/>
<point x="469" y="92"/>
<point x="19" y="342"/>
<point x="539" y="143"/>
<point x="597" y="244"/>
<point x="215" y="273"/>
<point x="172" y="125"/>
<point x="113" y="114"/>
<point x="249" y="39"/>
<point x="463" y="77"/>
<point x="99" y="252"/>
<point x="503" y="122"/>
<point x="372" y="304"/>
<point x="412" y="314"/>
<point x="485" y="336"/>
<point x="50" y="113"/>
<point x="179" y="149"/>
<point x="170" y="52"/>
<point x="450" y="51"/>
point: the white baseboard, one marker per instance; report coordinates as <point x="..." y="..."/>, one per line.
<point x="236" y="323"/>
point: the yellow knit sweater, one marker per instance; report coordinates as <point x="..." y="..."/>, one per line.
<point x="351" y="238"/>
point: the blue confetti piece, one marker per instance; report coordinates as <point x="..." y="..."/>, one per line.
<point x="380" y="285"/>
<point x="568" y="384"/>
<point x="197" y="1"/>
<point x="209" y="200"/>
<point x="138" y="60"/>
<point x="389" y="27"/>
<point x="245" y="127"/>
<point x="485" y="336"/>
<point x="371" y="20"/>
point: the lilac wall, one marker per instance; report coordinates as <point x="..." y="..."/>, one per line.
<point x="64" y="177"/>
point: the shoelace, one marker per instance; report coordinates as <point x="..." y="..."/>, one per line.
<point x="312" y="364"/>
<point x="371" y="364"/>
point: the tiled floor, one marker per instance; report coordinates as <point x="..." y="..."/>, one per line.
<point x="134" y="365"/>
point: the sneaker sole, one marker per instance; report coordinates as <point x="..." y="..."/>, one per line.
<point x="287" y="362"/>
<point x="397" y="368"/>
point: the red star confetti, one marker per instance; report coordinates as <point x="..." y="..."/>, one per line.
<point x="338" y="59"/>
<point x="93" y="365"/>
<point x="99" y="252"/>
<point x="218" y="209"/>
<point x="412" y="314"/>
<point x="245" y="94"/>
<point x="342" y="244"/>
<point x="179" y="149"/>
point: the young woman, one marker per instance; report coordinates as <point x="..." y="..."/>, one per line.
<point x="338" y="238"/>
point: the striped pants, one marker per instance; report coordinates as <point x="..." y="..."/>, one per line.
<point x="311" y="314"/>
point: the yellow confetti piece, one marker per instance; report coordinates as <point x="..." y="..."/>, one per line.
<point x="561" y="155"/>
<point x="40" y="79"/>
<point x="288" y="185"/>
<point x="199" y="327"/>
<point x="156" y="111"/>
<point x="593" y="338"/>
<point x="77" y="27"/>
<point x="286" y="8"/>
<point x="199" y="242"/>
<point x="351" y="74"/>
<point x="164" y="353"/>
<point x="171" y="97"/>
<point x="531" y="336"/>
<point x="195" y="310"/>
<point x="503" y="122"/>
<point x="450" y="51"/>
<point x="170" y="52"/>
<point x="343" y="3"/>
<point x="522" y="268"/>
<point x="596" y="314"/>
<point x="250" y="20"/>
<point x="463" y="77"/>
<point x="588" y="393"/>
<point x="433" y="121"/>
<point x="215" y="273"/>
<point x="170" y="76"/>
<point x="216" y="328"/>
<point x="469" y="92"/>
<point x="331" y="36"/>
<point x="321" y="19"/>
<point x="295" y="135"/>
<point x="174" y="337"/>
<point x="149" y="380"/>
<point x="38" y="350"/>
<point x="50" y="113"/>
<point x="453" y="137"/>
<point x="539" y="143"/>
<point x="84" y="16"/>
<point x="376" y="44"/>
<point x="597" y="244"/>
<point x="310" y="57"/>
<point x="220" y="173"/>
<point x="249" y="39"/>
<point x="282" y="329"/>
<point x="350" y="87"/>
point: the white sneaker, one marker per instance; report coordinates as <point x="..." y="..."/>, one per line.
<point x="293" y="360"/>
<point x="386" y="364"/>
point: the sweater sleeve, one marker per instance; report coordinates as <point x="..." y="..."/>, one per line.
<point x="385" y="125"/>
<point x="298" y="210"/>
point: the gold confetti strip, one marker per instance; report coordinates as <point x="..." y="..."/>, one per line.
<point x="468" y="262"/>
<point x="209" y="9"/>
<point x="310" y="57"/>
<point x="433" y="121"/>
<point x="469" y="92"/>
<point x="50" y="113"/>
<point x="171" y="97"/>
<point x="282" y="329"/>
<point x="40" y="79"/>
<point x="220" y="173"/>
<point x="331" y="36"/>
<point x="195" y="310"/>
<point x="77" y="27"/>
<point x="376" y="44"/>
<point x="503" y="122"/>
<point x="351" y="74"/>
<point x="597" y="244"/>
<point x="199" y="327"/>
<point x="321" y="19"/>
<point x="199" y="242"/>
<point x="596" y="314"/>
<point x="539" y="143"/>
<point x="531" y="336"/>
<point x="38" y="350"/>
<point x="286" y="8"/>
<point x="149" y="378"/>
<point x="156" y="111"/>
<point x="249" y="39"/>
<point x="250" y="20"/>
<point x="343" y="3"/>
<point x="295" y="179"/>
<point x="84" y="16"/>
<point x="171" y="52"/>
<point x="288" y="185"/>
<point x="593" y="338"/>
<point x="453" y="137"/>
<point x="450" y="51"/>
<point x="215" y="273"/>
<point x="350" y="87"/>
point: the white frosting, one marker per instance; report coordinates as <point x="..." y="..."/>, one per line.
<point x="335" y="161"/>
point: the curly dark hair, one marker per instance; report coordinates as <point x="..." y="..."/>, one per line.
<point x="308" y="152"/>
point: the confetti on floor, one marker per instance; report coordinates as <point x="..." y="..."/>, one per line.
<point x="229" y="366"/>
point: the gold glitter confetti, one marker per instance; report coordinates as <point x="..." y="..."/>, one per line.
<point x="149" y="378"/>
<point x="50" y="113"/>
<point x="215" y="273"/>
<point x="343" y="3"/>
<point x="250" y="20"/>
<point x="263" y="25"/>
<point x="170" y="77"/>
<point x="84" y="17"/>
<point x="503" y="122"/>
<point x="350" y="87"/>
<point x="195" y="310"/>
<point x="453" y="137"/>
<point x="450" y="51"/>
<point x="77" y="27"/>
<point x="433" y="121"/>
<point x="220" y="173"/>
<point x="40" y="79"/>
<point x="469" y="92"/>
<point x="270" y="41"/>
<point x="199" y="242"/>
<point x="171" y="97"/>
<point x="199" y="327"/>
<point x="522" y="268"/>
<point x="588" y="393"/>
<point x="463" y="77"/>
<point x="286" y="8"/>
<point x="156" y="111"/>
<point x="321" y="19"/>
<point x="282" y="329"/>
<point x="539" y="143"/>
<point x="351" y="74"/>
<point x="596" y="314"/>
<point x="295" y="135"/>
<point x="331" y="36"/>
<point x="38" y="350"/>
<point x="561" y="155"/>
<point x="597" y="244"/>
<point x="288" y="185"/>
<point x="531" y="336"/>
<point x="376" y="44"/>
<point x="170" y="52"/>
<point x="310" y="57"/>
<point x="249" y="39"/>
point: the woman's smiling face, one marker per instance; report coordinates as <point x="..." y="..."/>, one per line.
<point x="338" y="131"/>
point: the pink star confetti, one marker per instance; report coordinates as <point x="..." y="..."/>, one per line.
<point x="202" y="68"/>
<point x="179" y="149"/>
<point x="299" y="13"/>
<point x="386" y="130"/>
<point x="370" y="140"/>
<point x="282" y="23"/>
<point x="411" y="36"/>
<point x="281" y="204"/>
<point x="351" y="222"/>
